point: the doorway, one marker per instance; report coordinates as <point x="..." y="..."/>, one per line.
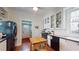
<point x="26" y="35"/>
<point x="26" y="29"/>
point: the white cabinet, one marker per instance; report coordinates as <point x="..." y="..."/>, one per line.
<point x="3" y="12"/>
<point x="3" y="46"/>
<point x="56" y="20"/>
<point x="49" y="40"/>
<point x="66" y="45"/>
<point x="47" y="22"/>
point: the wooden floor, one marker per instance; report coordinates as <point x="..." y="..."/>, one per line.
<point x="26" y="46"/>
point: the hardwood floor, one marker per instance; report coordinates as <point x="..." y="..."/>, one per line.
<point x="26" y="46"/>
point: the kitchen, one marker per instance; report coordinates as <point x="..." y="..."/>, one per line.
<point x="65" y="31"/>
<point x="59" y="25"/>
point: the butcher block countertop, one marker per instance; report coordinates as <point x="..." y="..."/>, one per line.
<point x="37" y="40"/>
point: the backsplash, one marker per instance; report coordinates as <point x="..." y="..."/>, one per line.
<point x="62" y="32"/>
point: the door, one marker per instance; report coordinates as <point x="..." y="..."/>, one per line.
<point x="26" y="29"/>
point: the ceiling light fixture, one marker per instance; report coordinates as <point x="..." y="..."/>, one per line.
<point x="35" y="8"/>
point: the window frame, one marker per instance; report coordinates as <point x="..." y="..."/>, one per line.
<point x="68" y="18"/>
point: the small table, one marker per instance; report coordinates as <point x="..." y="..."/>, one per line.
<point x="35" y="43"/>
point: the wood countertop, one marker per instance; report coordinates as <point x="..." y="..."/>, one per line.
<point x="37" y="40"/>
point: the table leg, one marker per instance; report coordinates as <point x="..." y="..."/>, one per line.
<point x="30" y="46"/>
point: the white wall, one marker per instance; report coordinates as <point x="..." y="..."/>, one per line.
<point x="36" y="21"/>
<point x="18" y="16"/>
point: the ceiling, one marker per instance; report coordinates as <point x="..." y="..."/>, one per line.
<point x="41" y="10"/>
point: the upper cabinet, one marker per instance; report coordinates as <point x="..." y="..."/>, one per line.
<point x="3" y="12"/>
<point x="54" y="21"/>
<point x="59" y="19"/>
<point x="47" y="22"/>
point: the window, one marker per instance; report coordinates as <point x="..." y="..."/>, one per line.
<point x="74" y="16"/>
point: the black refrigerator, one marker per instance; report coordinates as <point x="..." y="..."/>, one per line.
<point x="9" y="28"/>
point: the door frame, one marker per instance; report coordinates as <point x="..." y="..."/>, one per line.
<point x="26" y="21"/>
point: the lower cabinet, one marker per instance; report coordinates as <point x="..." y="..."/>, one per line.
<point x="3" y="46"/>
<point x="67" y="45"/>
<point x="49" y="40"/>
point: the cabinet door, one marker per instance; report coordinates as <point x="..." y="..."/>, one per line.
<point x="74" y="46"/>
<point x="62" y="45"/>
<point x="52" y="21"/>
<point x="49" y="40"/>
<point x="47" y="22"/>
<point x="66" y="45"/>
<point x="3" y="46"/>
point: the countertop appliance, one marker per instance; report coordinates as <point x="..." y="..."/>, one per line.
<point x="9" y="30"/>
